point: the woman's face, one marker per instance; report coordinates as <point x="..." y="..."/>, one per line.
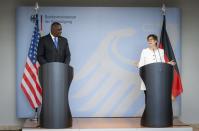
<point x="151" y="42"/>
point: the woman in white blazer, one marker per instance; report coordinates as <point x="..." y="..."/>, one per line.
<point x="152" y="54"/>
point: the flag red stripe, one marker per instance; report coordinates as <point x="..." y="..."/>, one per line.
<point x="27" y="95"/>
<point x="160" y="46"/>
<point x="36" y="68"/>
<point x="176" y="84"/>
<point x="31" y="88"/>
<point x="34" y="78"/>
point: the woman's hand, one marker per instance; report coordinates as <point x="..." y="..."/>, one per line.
<point x="136" y="64"/>
<point x="173" y="98"/>
<point x="172" y="62"/>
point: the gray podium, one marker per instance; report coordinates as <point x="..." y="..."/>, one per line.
<point x="158" y="104"/>
<point x="55" y="111"/>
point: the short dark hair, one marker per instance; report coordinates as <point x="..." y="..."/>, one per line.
<point x="55" y="24"/>
<point x="153" y="36"/>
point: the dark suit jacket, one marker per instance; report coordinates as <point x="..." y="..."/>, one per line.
<point x="47" y="52"/>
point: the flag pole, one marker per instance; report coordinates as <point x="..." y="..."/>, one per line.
<point x="36" y="115"/>
<point x="36" y="109"/>
<point x="36" y="10"/>
<point x="163" y="9"/>
<point x="177" y="86"/>
<point x="36" y="7"/>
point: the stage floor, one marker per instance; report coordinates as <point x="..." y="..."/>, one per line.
<point x="109" y="124"/>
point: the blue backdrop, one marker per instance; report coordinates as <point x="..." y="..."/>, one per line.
<point x="104" y="43"/>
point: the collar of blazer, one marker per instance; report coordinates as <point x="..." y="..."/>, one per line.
<point x="51" y="41"/>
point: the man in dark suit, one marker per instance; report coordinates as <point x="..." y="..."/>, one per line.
<point x="53" y="47"/>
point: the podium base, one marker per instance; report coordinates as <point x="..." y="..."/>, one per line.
<point x="109" y="124"/>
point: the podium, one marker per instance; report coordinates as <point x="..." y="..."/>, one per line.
<point x="157" y="78"/>
<point x="55" y="111"/>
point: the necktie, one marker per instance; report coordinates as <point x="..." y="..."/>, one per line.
<point x="56" y="42"/>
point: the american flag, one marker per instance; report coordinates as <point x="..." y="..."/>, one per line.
<point x="30" y="82"/>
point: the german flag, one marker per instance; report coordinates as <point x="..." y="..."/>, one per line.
<point x="169" y="55"/>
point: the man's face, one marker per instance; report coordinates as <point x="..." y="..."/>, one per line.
<point x="56" y="30"/>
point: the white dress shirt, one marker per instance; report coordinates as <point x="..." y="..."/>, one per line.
<point x="149" y="56"/>
<point x="53" y="37"/>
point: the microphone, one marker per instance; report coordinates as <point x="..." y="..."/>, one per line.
<point x="160" y="56"/>
<point x="155" y="55"/>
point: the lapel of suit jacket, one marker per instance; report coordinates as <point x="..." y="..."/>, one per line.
<point x="51" y="42"/>
<point x="59" y="43"/>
